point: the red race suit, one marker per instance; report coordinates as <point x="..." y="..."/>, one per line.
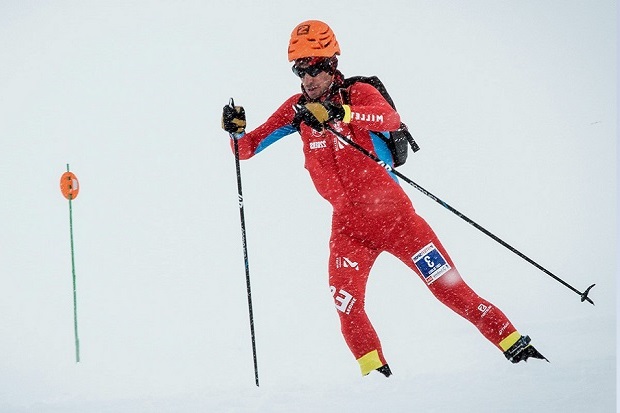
<point x="372" y="214"/>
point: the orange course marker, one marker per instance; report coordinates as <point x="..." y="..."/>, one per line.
<point x="69" y="185"/>
<point x="70" y="188"/>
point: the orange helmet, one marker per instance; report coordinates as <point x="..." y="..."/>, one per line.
<point x="312" y="38"/>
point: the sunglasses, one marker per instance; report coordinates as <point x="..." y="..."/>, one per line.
<point x="314" y="69"/>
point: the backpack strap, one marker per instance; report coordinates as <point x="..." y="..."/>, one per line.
<point x="297" y="120"/>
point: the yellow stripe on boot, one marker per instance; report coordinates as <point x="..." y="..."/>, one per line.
<point x="369" y="362"/>
<point x="506" y="343"/>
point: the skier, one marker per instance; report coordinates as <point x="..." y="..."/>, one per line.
<point x="371" y="212"/>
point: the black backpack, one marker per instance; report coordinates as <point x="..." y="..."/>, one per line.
<point x="400" y="139"/>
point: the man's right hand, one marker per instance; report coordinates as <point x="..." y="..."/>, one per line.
<point x="233" y="119"/>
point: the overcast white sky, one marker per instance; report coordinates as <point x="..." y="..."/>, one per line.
<point x="514" y="106"/>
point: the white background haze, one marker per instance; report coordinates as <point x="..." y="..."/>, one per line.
<point x="514" y="106"/>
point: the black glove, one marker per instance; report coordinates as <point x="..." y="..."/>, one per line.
<point x="233" y="119"/>
<point x="315" y="114"/>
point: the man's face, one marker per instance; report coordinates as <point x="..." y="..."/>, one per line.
<point x="316" y="76"/>
<point x="316" y="86"/>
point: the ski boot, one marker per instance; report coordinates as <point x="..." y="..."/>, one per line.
<point x="385" y="370"/>
<point x="522" y="350"/>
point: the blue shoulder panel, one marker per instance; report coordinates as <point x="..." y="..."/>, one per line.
<point x="382" y="150"/>
<point x="275" y="136"/>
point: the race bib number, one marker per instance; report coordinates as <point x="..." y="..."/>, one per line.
<point x="430" y="263"/>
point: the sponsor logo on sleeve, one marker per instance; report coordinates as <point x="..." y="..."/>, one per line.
<point x="368" y="117"/>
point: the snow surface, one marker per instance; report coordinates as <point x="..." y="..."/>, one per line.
<point x="513" y="104"/>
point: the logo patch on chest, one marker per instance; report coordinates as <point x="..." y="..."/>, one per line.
<point x="318" y="144"/>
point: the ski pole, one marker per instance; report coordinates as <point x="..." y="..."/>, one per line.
<point x="245" y="250"/>
<point x="583" y="295"/>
